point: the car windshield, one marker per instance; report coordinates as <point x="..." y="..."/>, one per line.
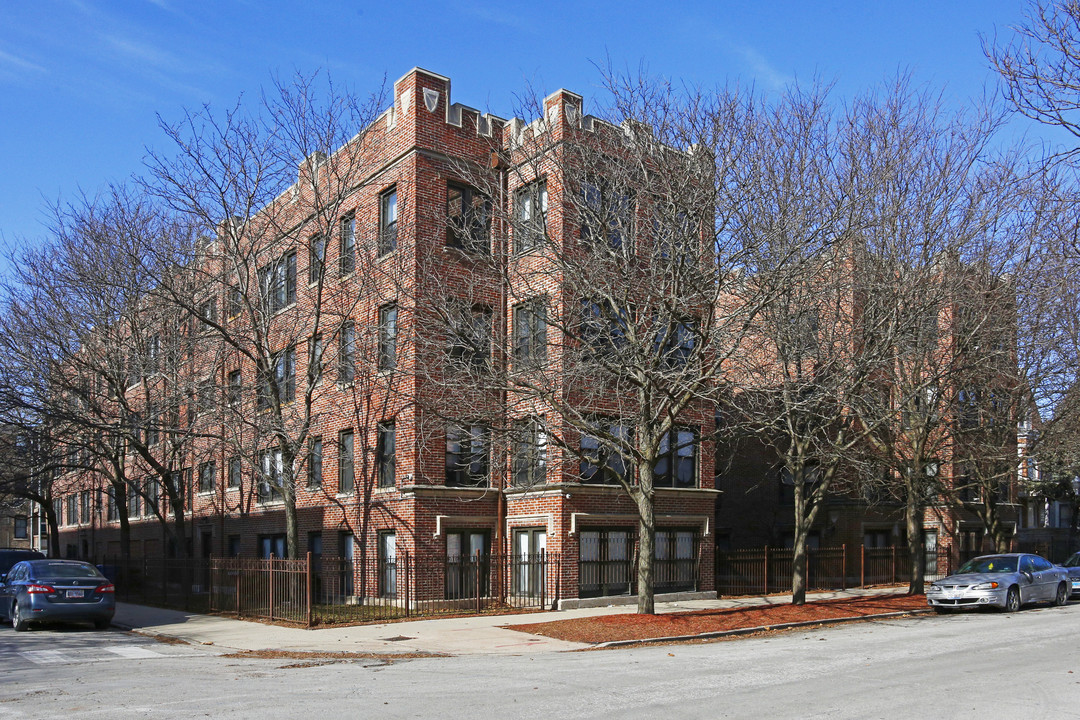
<point x="64" y="570"/>
<point x="1073" y="561"/>
<point x="988" y="565"/>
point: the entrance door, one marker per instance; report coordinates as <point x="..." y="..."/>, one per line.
<point x="466" y="561"/>
<point x="529" y="561"/>
<point x="604" y="563"/>
<point x="388" y="564"/>
<point x="930" y="543"/>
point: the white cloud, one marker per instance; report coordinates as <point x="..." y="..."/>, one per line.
<point x="13" y="62"/>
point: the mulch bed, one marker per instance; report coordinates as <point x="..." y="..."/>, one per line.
<point x="630" y="626"/>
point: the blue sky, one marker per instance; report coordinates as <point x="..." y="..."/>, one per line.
<point x="82" y="81"/>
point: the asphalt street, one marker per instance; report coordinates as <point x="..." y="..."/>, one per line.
<point x="1021" y="665"/>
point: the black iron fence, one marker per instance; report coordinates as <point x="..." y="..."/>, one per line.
<point x="325" y="590"/>
<point x="769" y="570"/>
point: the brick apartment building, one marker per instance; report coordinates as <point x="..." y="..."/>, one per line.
<point x="386" y="472"/>
<point x="400" y="462"/>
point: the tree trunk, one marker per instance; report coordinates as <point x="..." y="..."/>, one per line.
<point x="798" y="570"/>
<point x="646" y="543"/>
<point x="916" y="550"/>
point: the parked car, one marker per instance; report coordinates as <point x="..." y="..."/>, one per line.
<point x="10" y="556"/>
<point x="57" y="591"/>
<point x="1004" y="581"/>
<point x="1072" y="566"/>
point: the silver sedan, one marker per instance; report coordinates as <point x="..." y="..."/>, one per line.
<point x="1004" y="581"/>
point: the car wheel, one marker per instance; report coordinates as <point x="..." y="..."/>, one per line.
<point x="18" y="621"/>
<point x="1012" y="599"/>
<point x="102" y="624"/>
<point x="1062" y="596"/>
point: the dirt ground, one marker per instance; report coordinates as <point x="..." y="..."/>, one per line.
<point x="630" y="626"/>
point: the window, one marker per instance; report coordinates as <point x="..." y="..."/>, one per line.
<point x="347" y="232"/>
<point x="73" y="509"/>
<point x="675" y="235"/>
<point x="529" y="464"/>
<point x="277" y="283"/>
<point x="387" y="558"/>
<point x="677" y="464"/>
<point x="388" y="330"/>
<point x="234" y="301"/>
<point x="602" y="462"/>
<point x="283" y="372"/>
<point x="153" y="354"/>
<point x="676" y="560"/>
<point x="21" y="528"/>
<point x="467" y="455"/>
<point x="603" y="327"/>
<point x="315" y="356"/>
<point x="185" y="488"/>
<point x="675" y="343"/>
<point x="347" y="353"/>
<point x="968" y="402"/>
<point x="206" y="394"/>
<point x="386" y="453"/>
<point x="153" y="494"/>
<point x="270" y="482"/>
<point x="132" y="501"/>
<point x="207" y="471"/>
<point x="236" y="472"/>
<point x="84" y="506"/>
<point x="470" y="335"/>
<point x="530" y="332"/>
<point x="388" y="221"/>
<point x="234" y="389"/>
<point x="346" y="462"/>
<point x="316" y="258"/>
<point x="208" y="312"/>
<point x="467" y="212"/>
<point x="314" y="470"/>
<point x="605" y="560"/>
<point x="112" y="511"/>
<point x="271" y="546"/>
<point x="153" y="425"/>
<point x="530" y="210"/>
<point x="607" y="215"/>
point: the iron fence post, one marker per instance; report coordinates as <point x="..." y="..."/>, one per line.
<point x="270" y="567"/>
<point x="862" y="565"/>
<point x="766" y="592"/>
<point x="843" y="567"/>
<point x="308" y="593"/>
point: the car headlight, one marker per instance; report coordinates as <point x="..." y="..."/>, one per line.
<point x="986" y="586"/>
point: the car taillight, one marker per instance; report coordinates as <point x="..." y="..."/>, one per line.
<point x="39" y="590"/>
<point x="106" y="589"/>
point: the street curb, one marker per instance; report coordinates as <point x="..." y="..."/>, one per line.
<point x="752" y="630"/>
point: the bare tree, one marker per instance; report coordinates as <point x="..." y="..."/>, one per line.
<point x="272" y="189"/>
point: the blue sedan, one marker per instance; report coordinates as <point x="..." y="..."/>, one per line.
<point x="56" y="591"/>
<point x="1072" y="566"/>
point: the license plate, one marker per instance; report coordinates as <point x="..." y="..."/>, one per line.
<point x="75" y="593"/>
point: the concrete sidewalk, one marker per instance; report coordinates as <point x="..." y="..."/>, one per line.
<point x="480" y="635"/>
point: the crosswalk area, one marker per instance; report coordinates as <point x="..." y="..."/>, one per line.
<point x="75" y="656"/>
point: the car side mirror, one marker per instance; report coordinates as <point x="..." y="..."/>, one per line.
<point x="1028" y="575"/>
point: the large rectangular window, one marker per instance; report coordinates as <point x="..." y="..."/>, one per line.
<point x="388" y="214"/>
<point x="387" y="558"/>
<point x="467" y="452"/>
<point x="315" y="357"/>
<point x="272" y="476"/>
<point x="346" y="462"/>
<point x="601" y="460"/>
<point x="677" y="464"/>
<point x="236" y="472"/>
<point x="530" y="332"/>
<point x="283" y="371"/>
<point x="388" y="331"/>
<point x="314" y="468"/>
<point x="21" y="528"/>
<point x="530" y="212"/>
<point x="468" y="218"/>
<point x="606" y="215"/>
<point x="235" y="389"/>
<point x="207" y="473"/>
<point x="277" y="282"/>
<point x="529" y="463"/>
<point x="347" y="353"/>
<point x="316" y="258"/>
<point x="386" y="453"/>
<point x="347" y="234"/>
<point x="604" y="563"/>
<point x="470" y="335"/>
